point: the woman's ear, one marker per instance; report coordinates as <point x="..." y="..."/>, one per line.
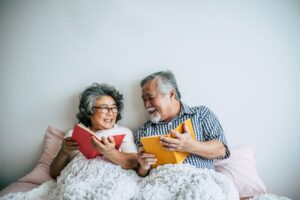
<point x="172" y="94"/>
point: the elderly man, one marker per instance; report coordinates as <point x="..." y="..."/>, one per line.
<point x="162" y="101"/>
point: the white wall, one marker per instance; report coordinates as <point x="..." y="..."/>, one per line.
<point x="240" y="58"/>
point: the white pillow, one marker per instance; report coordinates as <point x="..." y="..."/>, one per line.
<point x="240" y="167"/>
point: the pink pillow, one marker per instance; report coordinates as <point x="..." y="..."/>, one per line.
<point x="18" y="187"/>
<point x="240" y="167"/>
<point x="41" y="174"/>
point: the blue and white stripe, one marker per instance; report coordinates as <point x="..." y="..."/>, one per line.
<point x="206" y="126"/>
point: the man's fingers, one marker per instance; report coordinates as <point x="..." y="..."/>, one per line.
<point x="147" y="155"/>
<point x="186" y="128"/>
<point x="169" y="145"/>
<point x="140" y="150"/>
<point x="169" y="140"/>
<point x="175" y="134"/>
<point x="150" y="161"/>
<point x="170" y="149"/>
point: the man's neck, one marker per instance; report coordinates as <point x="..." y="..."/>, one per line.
<point x="174" y="111"/>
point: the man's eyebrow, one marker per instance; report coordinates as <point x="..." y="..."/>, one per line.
<point x="147" y="95"/>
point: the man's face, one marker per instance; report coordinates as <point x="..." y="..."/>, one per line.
<point x="157" y="104"/>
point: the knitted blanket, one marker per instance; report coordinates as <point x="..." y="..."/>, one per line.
<point x="100" y="179"/>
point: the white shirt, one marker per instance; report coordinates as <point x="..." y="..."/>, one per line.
<point x="127" y="146"/>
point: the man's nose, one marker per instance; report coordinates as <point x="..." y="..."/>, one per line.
<point x="147" y="104"/>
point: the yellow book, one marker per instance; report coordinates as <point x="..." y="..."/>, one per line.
<point x="152" y="145"/>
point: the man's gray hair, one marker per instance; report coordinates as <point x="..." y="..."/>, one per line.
<point x="165" y="82"/>
<point x="89" y="96"/>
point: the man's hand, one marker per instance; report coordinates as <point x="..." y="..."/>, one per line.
<point x="145" y="161"/>
<point x="104" y="145"/>
<point x="179" y="142"/>
<point x="68" y="145"/>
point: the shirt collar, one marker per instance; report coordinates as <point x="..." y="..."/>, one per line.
<point x="185" y="109"/>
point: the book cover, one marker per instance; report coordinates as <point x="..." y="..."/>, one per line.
<point x="83" y="135"/>
<point x="152" y="145"/>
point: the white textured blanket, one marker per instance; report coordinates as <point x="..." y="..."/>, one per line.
<point x="100" y="179"/>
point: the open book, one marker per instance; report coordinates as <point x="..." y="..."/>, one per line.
<point x="82" y="135"/>
<point x="152" y="145"/>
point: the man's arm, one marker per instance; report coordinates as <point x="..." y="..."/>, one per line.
<point x="185" y="143"/>
<point x="211" y="149"/>
<point x="145" y="161"/>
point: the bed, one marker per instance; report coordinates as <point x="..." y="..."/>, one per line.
<point x="234" y="178"/>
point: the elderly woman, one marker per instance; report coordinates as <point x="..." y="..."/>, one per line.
<point x="99" y="109"/>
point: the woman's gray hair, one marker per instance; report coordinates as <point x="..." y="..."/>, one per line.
<point x="165" y="82"/>
<point x="89" y="96"/>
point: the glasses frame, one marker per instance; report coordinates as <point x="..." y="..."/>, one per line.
<point x="108" y="109"/>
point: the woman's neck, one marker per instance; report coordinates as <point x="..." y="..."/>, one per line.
<point x="98" y="129"/>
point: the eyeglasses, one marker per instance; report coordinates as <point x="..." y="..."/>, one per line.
<point x="105" y="109"/>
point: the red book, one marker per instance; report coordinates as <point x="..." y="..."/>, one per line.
<point x="82" y="135"/>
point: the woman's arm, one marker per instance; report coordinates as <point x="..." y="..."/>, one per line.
<point x="125" y="160"/>
<point x="61" y="160"/>
<point x="106" y="146"/>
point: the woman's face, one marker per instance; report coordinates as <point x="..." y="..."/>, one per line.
<point x="105" y="113"/>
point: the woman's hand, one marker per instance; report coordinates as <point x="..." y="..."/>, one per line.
<point x="104" y="145"/>
<point x="68" y="145"/>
